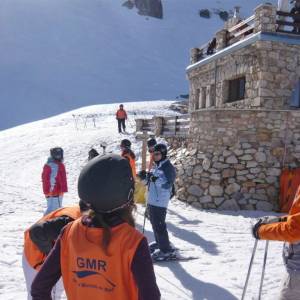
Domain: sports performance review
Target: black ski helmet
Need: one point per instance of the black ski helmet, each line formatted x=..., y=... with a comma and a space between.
x=126, y=143
x=151, y=142
x=106, y=183
x=162, y=148
x=57, y=153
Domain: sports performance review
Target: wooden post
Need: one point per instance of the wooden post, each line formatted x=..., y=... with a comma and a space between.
x=144, y=137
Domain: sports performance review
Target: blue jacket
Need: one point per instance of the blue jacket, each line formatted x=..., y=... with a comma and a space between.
x=159, y=192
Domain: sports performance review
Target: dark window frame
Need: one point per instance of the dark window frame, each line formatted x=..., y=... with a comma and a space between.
x=236, y=89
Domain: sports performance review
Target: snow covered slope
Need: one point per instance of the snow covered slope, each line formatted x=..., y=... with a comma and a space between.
x=222, y=240
x=57, y=55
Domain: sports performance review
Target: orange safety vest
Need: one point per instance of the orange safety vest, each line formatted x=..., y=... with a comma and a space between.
x=132, y=163
x=121, y=114
x=289, y=183
x=88, y=273
x=32, y=253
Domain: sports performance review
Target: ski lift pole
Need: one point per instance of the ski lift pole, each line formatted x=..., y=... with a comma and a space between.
x=249, y=269
x=263, y=270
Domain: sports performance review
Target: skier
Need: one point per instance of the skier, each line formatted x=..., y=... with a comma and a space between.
x=101, y=255
x=127, y=153
x=150, y=145
x=54, y=180
x=286, y=229
x=161, y=180
x=39, y=240
x=121, y=117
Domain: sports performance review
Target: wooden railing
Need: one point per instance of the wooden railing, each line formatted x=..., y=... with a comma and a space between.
x=240, y=30
x=165, y=126
x=282, y=24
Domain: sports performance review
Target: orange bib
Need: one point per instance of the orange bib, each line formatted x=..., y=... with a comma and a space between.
x=88, y=273
x=32, y=253
x=132, y=164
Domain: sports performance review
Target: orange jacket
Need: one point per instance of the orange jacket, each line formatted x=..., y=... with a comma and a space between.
x=128, y=154
x=88, y=272
x=289, y=183
x=121, y=114
x=288, y=231
x=32, y=253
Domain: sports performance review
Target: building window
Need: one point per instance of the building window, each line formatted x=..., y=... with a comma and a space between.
x=203, y=97
x=236, y=89
x=197, y=96
x=212, y=96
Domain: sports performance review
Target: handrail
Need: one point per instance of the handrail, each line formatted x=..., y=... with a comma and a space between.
x=245, y=22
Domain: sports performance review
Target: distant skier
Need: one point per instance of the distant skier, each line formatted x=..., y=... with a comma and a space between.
x=161, y=180
x=39, y=240
x=150, y=145
x=286, y=229
x=127, y=153
x=101, y=256
x=54, y=180
x=121, y=117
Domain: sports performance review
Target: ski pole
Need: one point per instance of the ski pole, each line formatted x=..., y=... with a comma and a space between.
x=144, y=220
x=249, y=270
x=263, y=270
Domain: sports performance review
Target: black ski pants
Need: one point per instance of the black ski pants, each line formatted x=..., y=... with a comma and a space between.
x=158, y=221
x=121, y=123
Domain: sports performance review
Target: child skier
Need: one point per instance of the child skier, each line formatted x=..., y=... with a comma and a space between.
x=127, y=153
x=161, y=180
x=286, y=229
x=54, y=180
x=102, y=255
x=39, y=240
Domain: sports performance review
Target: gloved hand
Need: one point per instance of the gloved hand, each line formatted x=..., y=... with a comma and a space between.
x=142, y=175
x=153, y=178
x=264, y=221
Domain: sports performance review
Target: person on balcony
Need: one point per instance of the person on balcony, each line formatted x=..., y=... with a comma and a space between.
x=296, y=16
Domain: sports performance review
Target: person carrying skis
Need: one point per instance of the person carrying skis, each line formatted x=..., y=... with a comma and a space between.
x=54, y=179
x=121, y=117
x=39, y=240
x=286, y=229
x=127, y=153
x=101, y=255
x=150, y=145
x=161, y=180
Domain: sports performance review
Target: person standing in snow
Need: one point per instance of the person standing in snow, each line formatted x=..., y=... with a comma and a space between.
x=283, y=6
x=150, y=145
x=54, y=180
x=39, y=240
x=101, y=255
x=121, y=117
x=161, y=180
x=286, y=229
x=127, y=153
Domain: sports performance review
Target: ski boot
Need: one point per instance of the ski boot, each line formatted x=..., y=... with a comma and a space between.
x=159, y=255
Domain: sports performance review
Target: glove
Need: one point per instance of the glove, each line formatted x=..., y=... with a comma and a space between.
x=142, y=175
x=153, y=178
x=264, y=221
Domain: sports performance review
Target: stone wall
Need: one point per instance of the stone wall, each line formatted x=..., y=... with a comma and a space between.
x=271, y=69
x=233, y=158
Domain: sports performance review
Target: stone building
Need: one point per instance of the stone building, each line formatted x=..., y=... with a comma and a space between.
x=245, y=117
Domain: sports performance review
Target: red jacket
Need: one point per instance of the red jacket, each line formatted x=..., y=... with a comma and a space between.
x=54, y=178
x=121, y=114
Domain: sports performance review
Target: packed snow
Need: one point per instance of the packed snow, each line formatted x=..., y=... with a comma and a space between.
x=221, y=240
x=58, y=55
